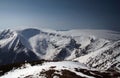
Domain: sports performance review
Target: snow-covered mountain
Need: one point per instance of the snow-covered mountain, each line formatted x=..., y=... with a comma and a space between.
x=104, y=58
x=61, y=69
x=95, y=48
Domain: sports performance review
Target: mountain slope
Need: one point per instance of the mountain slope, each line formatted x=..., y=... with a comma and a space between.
x=63, y=69
x=86, y=46
x=13, y=50
x=104, y=58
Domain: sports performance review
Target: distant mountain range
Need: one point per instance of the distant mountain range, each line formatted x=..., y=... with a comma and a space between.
x=98, y=49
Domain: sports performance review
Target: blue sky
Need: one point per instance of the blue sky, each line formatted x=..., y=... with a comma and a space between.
x=60, y=14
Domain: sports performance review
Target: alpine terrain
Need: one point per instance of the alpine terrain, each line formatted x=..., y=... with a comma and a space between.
x=45, y=53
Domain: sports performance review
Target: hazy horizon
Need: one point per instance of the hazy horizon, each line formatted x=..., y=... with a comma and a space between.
x=60, y=14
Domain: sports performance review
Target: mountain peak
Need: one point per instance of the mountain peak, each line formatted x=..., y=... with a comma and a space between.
x=55, y=45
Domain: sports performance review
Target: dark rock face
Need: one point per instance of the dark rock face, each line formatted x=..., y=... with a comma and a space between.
x=16, y=53
x=66, y=51
x=65, y=74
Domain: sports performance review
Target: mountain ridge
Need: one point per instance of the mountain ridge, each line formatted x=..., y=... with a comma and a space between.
x=36, y=44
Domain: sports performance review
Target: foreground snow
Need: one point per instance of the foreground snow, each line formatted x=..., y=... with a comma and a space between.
x=35, y=70
x=61, y=69
x=95, y=48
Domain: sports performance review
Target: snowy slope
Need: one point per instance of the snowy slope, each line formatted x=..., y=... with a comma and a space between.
x=13, y=47
x=37, y=69
x=63, y=69
x=104, y=58
x=85, y=46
